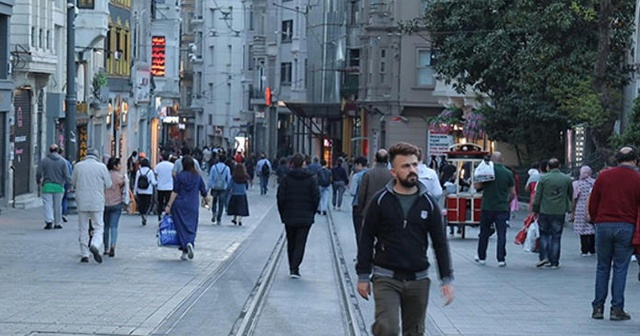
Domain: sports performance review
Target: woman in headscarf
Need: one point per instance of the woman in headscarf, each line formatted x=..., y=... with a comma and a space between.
x=582, y=224
x=184, y=205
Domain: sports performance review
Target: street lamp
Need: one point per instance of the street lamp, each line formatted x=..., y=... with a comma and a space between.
x=71, y=100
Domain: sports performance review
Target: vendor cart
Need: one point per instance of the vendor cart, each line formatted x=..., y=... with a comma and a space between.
x=462, y=201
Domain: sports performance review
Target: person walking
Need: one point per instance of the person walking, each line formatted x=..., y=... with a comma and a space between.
x=184, y=205
x=132, y=166
x=324, y=182
x=582, y=224
x=67, y=185
x=496, y=197
x=393, y=246
x=374, y=180
x=553, y=200
x=177, y=166
x=219, y=179
x=143, y=189
x=613, y=206
x=164, y=176
x=360, y=168
x=251, y=169
x=90, y=178
x=115, y=198
x=238, y=205
x=263, y=168
x=340, y=179
x=51, y=176
x=297, y=198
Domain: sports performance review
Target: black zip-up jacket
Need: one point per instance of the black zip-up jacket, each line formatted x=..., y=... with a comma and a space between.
x=298, y=197
x=401, y=243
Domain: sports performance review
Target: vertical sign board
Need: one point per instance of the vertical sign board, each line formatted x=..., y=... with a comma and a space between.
x=438, y=143
x=158, y=55
x=22, y=140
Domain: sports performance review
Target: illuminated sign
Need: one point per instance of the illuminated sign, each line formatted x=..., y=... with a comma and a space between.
x=158, y=47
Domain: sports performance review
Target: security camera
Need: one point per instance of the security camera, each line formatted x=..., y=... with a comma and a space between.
x=70, y=5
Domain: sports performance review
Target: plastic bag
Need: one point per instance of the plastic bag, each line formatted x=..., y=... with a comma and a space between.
x=531, y=242
x=167, y=234
x=484, y=172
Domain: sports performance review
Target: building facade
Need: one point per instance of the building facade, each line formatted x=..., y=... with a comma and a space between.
x=6, y=92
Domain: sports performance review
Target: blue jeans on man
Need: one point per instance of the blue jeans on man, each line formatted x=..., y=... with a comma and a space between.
x=487, y=219
x=264, y=182
x=218, y=204
x=613, y=249
x=550, y=236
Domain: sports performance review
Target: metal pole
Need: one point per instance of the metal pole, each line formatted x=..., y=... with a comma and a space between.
x=70, y=100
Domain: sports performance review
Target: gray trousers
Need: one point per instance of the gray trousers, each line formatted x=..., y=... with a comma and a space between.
x=400, y=298
x=52, y=204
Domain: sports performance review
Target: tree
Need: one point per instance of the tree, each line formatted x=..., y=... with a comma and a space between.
x=536, y=61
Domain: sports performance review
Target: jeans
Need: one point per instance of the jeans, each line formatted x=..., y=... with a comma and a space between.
x=486, y=219
x=550, y=237
x=296, y=242
x=111, y=220
x=264, y=182
x=52, y=207
x=338, y=190
x=357, y=218
x=397, y=298
x=613, y=246
x=324, y=199
x=218, y=203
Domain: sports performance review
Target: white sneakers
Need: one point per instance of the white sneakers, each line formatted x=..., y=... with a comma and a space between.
x=479, y=261
x=502, y=263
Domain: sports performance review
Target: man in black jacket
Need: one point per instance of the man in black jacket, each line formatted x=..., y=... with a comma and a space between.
x=399, y=219
x=298, y=197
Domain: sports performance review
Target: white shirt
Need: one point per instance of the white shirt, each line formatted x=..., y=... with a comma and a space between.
x=165, y=178
x=146, y=171
x=429, y=178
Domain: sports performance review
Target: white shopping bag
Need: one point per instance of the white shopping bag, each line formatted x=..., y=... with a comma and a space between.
x=484, y=172
x=533, y=233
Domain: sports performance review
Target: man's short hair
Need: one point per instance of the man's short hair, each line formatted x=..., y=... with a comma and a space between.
x=53, y=148
x=626, y=154
x=361, y=160
x=297, y=160
x=554, y=163
x=382, y=156
x=323, y=162
x=402, y=148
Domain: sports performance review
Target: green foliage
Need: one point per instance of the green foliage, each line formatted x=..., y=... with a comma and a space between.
x=534, y=60
x=99, y=81
x=631, y=135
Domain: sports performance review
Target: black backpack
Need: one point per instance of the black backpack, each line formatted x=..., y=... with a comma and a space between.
x=324, y=177
x=143, y=181
x=265, y=169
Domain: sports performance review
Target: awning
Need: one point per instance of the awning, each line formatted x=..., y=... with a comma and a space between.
x=315, y=110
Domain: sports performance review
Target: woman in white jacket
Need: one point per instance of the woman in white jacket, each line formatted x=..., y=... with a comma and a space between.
x=144, y=190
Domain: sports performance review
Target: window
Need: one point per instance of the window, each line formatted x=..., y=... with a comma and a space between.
x=251, y=23
x=285, y=73
x=354, y=13
x=426, y=72
x=383, y=65
x=354, y=57
x=48, y=39
x=211, y=56
x=287, y=31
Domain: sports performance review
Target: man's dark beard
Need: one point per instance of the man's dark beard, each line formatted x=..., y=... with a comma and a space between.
x=409, y=184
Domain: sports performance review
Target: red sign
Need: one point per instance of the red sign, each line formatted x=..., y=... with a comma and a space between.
x=267, y=96
x=158, y=47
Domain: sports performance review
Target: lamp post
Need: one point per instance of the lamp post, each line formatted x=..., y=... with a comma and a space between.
x=71, y=100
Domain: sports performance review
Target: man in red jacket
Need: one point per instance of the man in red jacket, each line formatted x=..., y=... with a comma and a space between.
x=613, y=205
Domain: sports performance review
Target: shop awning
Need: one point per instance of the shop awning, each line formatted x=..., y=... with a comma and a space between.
x=315, y=110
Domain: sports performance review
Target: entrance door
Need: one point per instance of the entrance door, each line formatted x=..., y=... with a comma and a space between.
x=22, y=140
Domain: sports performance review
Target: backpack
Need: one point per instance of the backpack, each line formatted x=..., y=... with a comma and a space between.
x=143, y=181
x=265, y=169
x=218, y=180
x=324, y=177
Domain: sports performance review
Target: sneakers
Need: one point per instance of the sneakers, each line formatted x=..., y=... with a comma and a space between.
x=479, y=261
x=183, y=256
x=542, y=262
x=96, y=254
x=554, y=266
x=294, y=274
x=64, y=219
x=84, y=259
x=190, y=250
x=502, y=263
x=213, y=220
x=48, y=226
x=57, y=226
x=617, y=314
x=144, y=220
x=598, y=313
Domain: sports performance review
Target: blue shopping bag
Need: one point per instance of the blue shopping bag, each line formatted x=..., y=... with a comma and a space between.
x=167, y=234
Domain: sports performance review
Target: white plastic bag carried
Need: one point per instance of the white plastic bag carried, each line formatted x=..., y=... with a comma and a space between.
x=533, y=233
x=484, y=172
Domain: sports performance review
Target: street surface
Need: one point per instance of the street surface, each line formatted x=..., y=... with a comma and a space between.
x=147, y=290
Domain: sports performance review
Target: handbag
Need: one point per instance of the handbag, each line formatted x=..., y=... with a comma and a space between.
x=167, y=233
